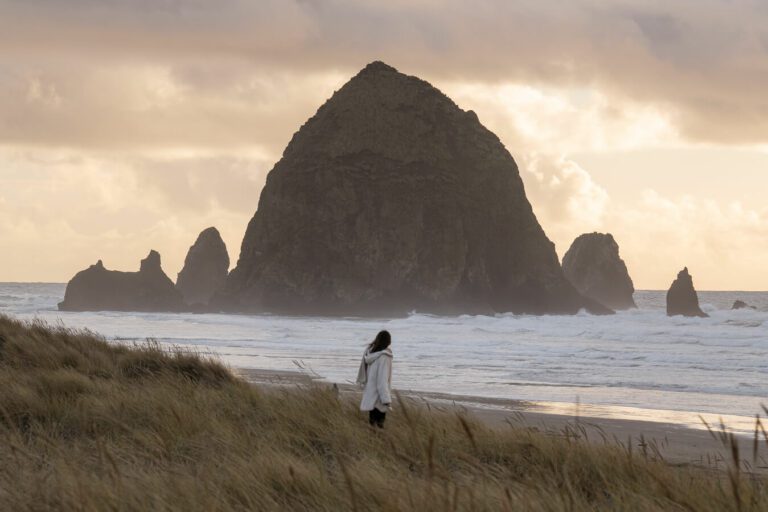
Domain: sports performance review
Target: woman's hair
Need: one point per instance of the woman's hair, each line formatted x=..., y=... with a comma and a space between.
x=382, y=341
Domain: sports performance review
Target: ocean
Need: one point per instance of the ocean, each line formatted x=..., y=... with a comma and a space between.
x=638, y=364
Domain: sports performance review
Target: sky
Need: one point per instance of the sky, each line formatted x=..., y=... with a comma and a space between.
x=130, y=125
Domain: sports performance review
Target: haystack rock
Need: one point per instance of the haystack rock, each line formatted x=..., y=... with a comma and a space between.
x=682, y=298
x=99, y=289
x=392, y=199
x=205, y=269
x=594, y=267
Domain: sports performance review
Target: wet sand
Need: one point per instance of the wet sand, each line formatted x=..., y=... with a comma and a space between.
x=675, y=444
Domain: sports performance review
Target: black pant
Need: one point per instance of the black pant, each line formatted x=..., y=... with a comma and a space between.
x=376, y=417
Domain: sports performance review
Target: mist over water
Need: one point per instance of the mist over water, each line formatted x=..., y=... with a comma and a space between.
x=638, y=359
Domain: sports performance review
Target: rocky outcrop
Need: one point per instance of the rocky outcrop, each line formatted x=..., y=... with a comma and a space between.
x=393, y=199
x=99, y=289
x=594, y=267
x=682, y=298
x=740, y=304
x=205, y=269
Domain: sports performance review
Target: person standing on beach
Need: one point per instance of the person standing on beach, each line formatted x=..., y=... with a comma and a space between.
x=375, y=375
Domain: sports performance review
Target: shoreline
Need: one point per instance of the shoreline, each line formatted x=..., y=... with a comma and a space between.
x=674, y=443
x=640, y=359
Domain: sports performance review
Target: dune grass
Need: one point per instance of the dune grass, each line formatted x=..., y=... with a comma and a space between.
x=86, y=425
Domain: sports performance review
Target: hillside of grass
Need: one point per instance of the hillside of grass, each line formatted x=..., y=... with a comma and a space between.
x=86, y=425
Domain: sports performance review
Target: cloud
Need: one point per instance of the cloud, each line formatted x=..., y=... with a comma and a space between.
x=723, y=244
x=81, y=208
x=702, y=62
x=142, y=107
x=571, y=120
x=199, y=184
x=564, y=192
x=566, y=200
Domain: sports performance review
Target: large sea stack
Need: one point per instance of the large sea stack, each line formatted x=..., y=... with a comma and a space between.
x=205, y=269
x=682, y=298
x=393, y=199
x=594, y=267
x=99, y=289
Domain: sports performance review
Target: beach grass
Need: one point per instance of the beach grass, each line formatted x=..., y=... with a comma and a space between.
x=88, y=425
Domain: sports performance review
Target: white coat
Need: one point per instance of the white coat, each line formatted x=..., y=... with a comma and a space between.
x=375, y=375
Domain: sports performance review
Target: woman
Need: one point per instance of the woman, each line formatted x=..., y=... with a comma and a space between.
x=375, y=375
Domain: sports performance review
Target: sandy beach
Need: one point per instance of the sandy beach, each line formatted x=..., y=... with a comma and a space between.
x=673, y=443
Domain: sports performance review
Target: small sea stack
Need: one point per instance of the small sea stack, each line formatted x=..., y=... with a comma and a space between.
x=594, y=267
x=740, y=304
x=682, y=298
x=205, y=269
x=99, y=289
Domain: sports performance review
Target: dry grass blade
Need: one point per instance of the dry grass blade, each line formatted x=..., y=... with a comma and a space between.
x=709, y=429
x=468, y=431
x=765, y=434
x=350, y=485
x=403, y=406
x=431, y=456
